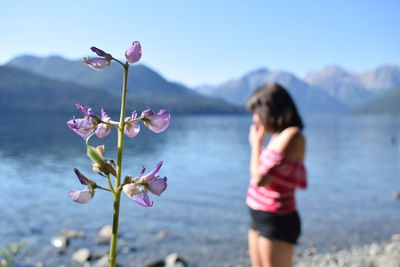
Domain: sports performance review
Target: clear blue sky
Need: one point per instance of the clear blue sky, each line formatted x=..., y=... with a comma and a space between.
x=209, y=41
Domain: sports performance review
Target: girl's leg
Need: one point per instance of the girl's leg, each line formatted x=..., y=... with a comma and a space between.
x=275, y=253
x=253, y=248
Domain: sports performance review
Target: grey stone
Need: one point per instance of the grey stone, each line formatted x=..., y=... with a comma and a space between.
x=60, y=242
x=102, y=262
x=81, y=256
x=105, y=234
x=69, y=234
x=310, y=251
x=159, y=263
x=102, y=240
x=174, y=260
x=106, y=231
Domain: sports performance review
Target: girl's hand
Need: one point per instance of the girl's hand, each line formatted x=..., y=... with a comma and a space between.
x=257, y=134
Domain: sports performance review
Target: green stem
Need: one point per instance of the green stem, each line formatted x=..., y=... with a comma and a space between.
x=110, y=184
x=112, y=261
x=103, y=188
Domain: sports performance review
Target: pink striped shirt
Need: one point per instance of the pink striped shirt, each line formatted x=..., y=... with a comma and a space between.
x=286, y=175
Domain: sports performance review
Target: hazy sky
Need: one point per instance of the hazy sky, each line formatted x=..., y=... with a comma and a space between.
x=196, y=42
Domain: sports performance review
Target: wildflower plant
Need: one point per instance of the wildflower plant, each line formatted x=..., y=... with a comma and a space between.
x=138, y=187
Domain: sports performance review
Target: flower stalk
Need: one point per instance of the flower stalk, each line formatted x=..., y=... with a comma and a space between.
x=91, y=124
x=117, y=194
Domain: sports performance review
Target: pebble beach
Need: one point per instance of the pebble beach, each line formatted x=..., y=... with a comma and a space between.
x=385, y=254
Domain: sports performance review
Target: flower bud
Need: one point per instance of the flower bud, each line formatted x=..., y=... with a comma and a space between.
x=96, y=154
x=134, y=52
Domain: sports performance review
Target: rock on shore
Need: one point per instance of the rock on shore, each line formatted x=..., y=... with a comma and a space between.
x=386, y=254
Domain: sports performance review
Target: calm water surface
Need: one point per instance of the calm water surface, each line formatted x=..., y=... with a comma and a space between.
x=353, y=165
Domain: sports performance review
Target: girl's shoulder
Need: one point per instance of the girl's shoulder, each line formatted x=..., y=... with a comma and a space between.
x=290, y=142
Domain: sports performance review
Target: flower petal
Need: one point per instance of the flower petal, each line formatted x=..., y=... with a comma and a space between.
x=157, y=122
x=132, y=129
x=157, y=186
x=81, y=177
x=97, y=63
x=100, y=52
x=103, y=130
x=134, y=115
x=134, y=52
x=104, y=115
x=142, y=199
x=147, y=113
x=82, y=196
x=82, y=127
x=86, y=111
x=153, y=175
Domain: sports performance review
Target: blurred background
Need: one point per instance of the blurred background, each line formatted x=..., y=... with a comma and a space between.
x=339, y=60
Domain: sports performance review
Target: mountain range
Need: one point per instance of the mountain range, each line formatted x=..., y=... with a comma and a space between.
x=146, y=88
x=330, y=89
x=355, y=89
x=54, y=84
x=307, y=98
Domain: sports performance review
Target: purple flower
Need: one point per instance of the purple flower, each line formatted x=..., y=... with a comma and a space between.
x=85, y=195
x=82, y=196
x=132, y=127
x=100, y=52
x=103, y=129
x=134, y=52
x=137, y=189
x=97, y=63
x=84, y=126
x=156, y=122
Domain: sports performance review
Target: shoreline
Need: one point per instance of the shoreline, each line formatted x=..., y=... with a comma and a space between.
x=383, y=254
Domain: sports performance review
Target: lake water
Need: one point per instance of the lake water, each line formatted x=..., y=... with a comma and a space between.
x=353, y=164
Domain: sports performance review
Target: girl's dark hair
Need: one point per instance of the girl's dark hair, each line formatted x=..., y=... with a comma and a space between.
x=275, y=107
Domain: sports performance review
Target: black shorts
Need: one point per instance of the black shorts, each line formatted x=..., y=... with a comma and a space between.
x=275, y=227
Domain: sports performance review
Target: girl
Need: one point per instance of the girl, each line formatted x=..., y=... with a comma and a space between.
x=276, y=172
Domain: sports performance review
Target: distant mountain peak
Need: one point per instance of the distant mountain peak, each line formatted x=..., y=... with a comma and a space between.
x=334, y=69
x=391, y=67
x=329, y=72
x=258, y=71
